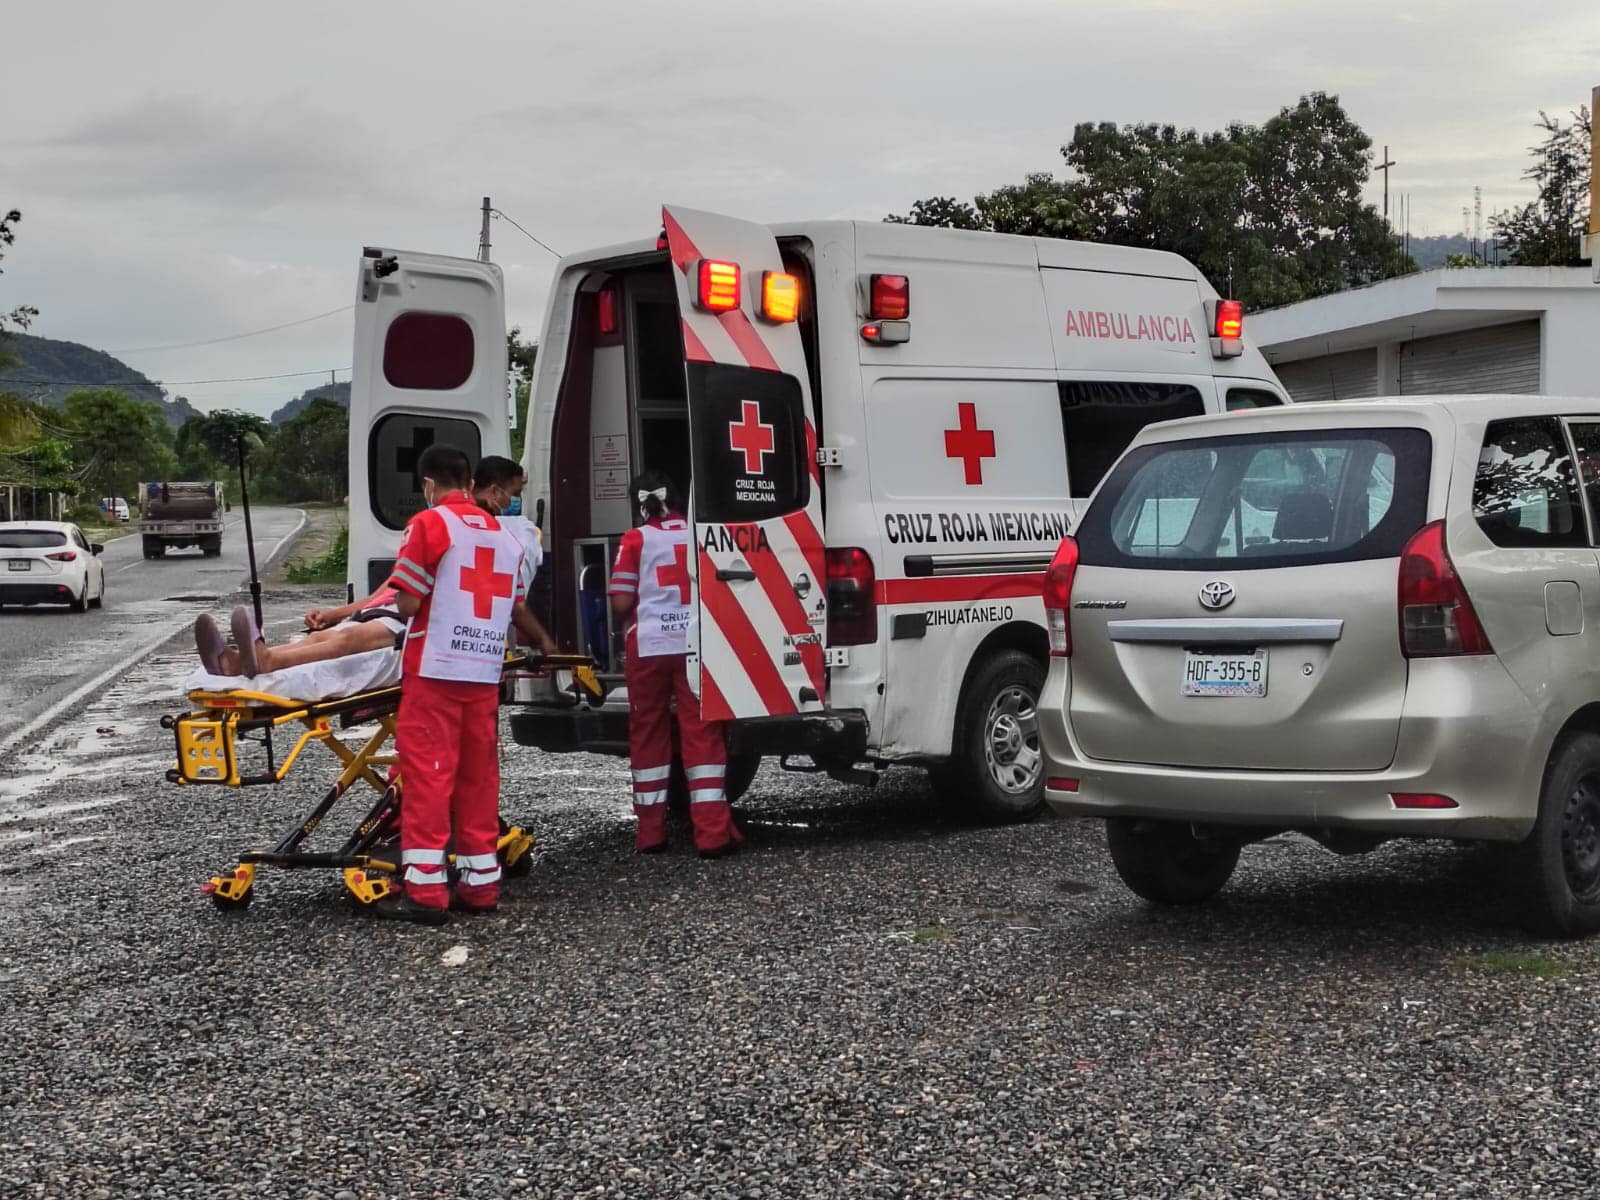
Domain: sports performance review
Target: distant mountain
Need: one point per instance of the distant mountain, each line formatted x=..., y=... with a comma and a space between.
x=339, y=393
x=48, y=371
x=1430, y=252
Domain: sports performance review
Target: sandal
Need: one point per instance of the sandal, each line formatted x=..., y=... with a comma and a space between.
x=245, y=637
x=210, y=644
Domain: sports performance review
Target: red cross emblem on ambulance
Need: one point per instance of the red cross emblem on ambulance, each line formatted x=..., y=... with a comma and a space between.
x=969, y=443
x=750, y=437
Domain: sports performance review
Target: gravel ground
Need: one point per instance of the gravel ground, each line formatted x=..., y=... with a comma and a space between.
x=871, y=1001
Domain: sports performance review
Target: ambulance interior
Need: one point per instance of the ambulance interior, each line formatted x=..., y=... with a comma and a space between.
x=622, y=408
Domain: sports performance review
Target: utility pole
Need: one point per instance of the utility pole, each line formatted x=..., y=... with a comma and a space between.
x=483, y=235
x=1384, y=167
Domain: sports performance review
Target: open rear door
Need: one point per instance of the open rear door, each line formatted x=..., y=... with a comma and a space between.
x=429, y=366
x=759, y=577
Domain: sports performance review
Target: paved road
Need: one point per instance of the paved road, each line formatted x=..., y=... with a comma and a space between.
x=49, y=652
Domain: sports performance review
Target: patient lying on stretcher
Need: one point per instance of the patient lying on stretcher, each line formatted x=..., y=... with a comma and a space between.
x=370, y=624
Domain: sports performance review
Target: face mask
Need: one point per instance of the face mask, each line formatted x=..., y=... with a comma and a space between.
x=514, y=509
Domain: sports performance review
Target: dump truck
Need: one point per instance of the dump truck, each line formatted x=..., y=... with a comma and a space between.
x=174, y=515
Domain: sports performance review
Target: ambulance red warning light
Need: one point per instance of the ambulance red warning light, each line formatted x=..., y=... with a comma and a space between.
x=719, y=286
x=969, y=443
x=751, y=437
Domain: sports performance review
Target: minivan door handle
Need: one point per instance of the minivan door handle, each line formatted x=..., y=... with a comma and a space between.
x=731, y=573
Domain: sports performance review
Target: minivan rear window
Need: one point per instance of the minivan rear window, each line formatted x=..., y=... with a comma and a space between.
x=30, y=539
x=1290, y=498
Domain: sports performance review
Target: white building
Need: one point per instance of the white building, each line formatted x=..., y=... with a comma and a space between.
x=1482, y=329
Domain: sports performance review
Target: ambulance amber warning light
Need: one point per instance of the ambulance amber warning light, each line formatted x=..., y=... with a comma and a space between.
x=719, y=285
x=1230, y=320
x=891, y=298
x=780, y=296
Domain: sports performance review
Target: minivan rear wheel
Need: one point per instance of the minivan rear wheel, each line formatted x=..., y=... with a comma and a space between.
x=996, y=768
x=1165, y=862
x=1558, y=866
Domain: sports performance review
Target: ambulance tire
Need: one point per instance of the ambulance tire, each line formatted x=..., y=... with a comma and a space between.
x=996, y=723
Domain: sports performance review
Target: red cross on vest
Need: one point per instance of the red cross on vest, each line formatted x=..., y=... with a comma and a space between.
x=485, y=583
x=969, y=443
x=750, y=437
x=677, y=575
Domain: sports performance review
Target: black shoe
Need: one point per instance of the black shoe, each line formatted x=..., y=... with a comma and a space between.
x=457, y=904
x=731, y=846
x=659, y=848
x=404, y=908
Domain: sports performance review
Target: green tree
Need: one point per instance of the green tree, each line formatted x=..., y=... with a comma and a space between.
x=307, y=458
x=1270, y=213
x=520, y=357
x=1548, y=230
x=19, y=420
x=44, y=462
x=21, y=315
x=117, y=441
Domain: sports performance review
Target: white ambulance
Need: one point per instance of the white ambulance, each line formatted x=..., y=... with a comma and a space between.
x=883, y=431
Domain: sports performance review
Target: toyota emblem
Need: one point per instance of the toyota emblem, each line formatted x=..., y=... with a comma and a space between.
x=1216, y=594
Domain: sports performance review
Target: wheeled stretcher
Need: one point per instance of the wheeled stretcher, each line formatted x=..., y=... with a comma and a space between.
x=233, y=739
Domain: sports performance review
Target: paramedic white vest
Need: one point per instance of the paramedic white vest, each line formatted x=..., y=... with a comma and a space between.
x=664, y=604
x=474, y=591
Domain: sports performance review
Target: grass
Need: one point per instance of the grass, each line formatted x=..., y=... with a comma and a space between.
x=328, y=567
x=1540, y=966
x=925, y=933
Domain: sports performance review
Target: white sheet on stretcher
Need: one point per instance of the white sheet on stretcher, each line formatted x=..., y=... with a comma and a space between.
x=331, y=679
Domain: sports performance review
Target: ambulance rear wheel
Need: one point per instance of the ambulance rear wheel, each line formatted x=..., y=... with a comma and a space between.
x=996, y=768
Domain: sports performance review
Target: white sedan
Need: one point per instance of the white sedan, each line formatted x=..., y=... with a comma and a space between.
x=49, y=561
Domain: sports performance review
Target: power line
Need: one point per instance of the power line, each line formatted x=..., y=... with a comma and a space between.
x=525, y=233
x=234, y=337
x=134, y=383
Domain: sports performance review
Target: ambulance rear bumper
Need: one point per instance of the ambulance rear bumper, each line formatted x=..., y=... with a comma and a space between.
x=835, y=734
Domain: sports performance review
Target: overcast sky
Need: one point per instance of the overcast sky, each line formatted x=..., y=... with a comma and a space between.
x=192, y=170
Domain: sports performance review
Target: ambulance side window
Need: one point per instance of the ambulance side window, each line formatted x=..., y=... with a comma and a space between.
x=396, y=444
x=1101, y=418
x=749, y=435
x=1242, y=399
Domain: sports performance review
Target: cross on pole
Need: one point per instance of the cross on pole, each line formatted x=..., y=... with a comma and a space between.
x=1384, y=167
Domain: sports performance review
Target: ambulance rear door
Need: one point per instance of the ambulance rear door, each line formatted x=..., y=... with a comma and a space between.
x=429, y=365
x=757, y=585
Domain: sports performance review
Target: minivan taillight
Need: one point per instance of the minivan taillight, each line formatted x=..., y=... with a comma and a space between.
x=1436, y=617
x=1058, y=597
x=852, y=608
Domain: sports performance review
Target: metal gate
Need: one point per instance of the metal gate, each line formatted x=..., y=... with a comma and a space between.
x=1499, y=358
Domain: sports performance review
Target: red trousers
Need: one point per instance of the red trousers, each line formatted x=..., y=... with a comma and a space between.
x=448, y=744
x=653, y=683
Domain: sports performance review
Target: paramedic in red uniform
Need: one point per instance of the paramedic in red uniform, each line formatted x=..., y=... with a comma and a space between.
x=650, y=584
x=457, y=575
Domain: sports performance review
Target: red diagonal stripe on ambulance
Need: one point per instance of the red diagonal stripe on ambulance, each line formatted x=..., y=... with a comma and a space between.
x=775, y=582
x=724, y=609
x=679, y=244
x=713, y=704
x=693, y=348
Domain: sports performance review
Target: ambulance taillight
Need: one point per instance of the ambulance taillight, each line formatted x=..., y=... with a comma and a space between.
x=719, y=286
x=852, y=607
x=1058, y=597
x=1227, y=327
x=889, y=298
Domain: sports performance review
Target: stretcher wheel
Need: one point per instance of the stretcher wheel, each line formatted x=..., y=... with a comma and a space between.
x=232, y=903
x=521, y=866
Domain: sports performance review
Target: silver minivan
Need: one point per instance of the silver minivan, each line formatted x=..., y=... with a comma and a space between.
x=1357, y=620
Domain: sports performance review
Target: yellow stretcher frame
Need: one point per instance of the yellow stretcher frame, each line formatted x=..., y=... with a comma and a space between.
x=210, y=738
